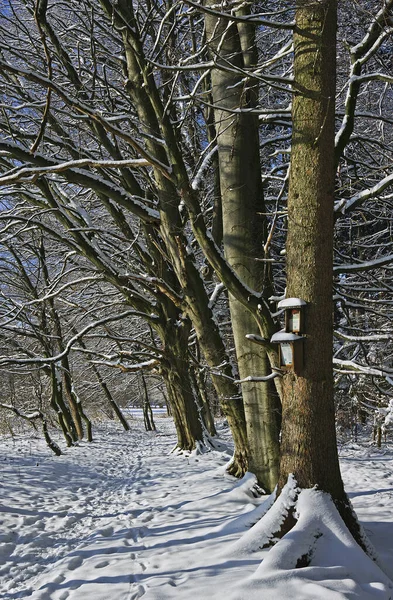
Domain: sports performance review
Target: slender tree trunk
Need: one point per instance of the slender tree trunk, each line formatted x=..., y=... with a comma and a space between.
x=50, y=443
x=147, y=411
x=75, y=409
x=308, y=448
x=61, y=409
x=200, y=386
x=244, y=231
x=76, y=401
x=37, y=415
x=66, y=373
x=112, y=402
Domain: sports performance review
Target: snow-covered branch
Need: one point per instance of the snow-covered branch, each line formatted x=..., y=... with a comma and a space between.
x=72, y=341
x=366, y=265
x=252, y=378
x=342, y=206
x=129, y=367
x=257, y=19
x=350, y=366
x=85, y=179
x=30, y=174
x=360, y=54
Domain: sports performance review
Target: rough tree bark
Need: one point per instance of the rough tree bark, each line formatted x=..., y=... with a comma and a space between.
x=143, y=91
x=308, y=448
x=244, y=230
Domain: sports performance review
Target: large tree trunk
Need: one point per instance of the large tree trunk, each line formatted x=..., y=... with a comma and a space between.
x=309, y=441
x=175, y=370
x=143, y=91
x=244, y=231
x=308, y=448
x=183, y=407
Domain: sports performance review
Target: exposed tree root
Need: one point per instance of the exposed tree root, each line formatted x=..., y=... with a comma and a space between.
x=305, y=559
x=238, y=466
x=198, y=447
x=266, y=531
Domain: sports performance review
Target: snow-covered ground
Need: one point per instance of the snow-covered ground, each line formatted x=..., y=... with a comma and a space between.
x=123, y=518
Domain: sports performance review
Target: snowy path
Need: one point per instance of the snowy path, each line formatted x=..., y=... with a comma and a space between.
x=56, y=507
x=122, y=519
x=81, y=519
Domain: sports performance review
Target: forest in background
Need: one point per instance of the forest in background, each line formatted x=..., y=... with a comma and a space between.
x=145, y=186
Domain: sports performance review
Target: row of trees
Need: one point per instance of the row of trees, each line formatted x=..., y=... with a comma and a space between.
x=145, y=167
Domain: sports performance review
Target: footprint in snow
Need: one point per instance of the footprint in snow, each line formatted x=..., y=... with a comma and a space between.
x=102, y=564
x=29, y=520
x=68, y=521
x=163, y=495
x=141, y=532
x=138, y=593
x=6, y=549
x=74, y=563
x=64, y=508
x=146, y=517
x=106, y=531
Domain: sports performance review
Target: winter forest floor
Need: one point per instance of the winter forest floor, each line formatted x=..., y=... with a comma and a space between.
x=123, y=518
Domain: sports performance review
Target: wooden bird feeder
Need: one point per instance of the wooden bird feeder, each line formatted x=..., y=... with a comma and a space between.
x=294, y=314
x=290, y=350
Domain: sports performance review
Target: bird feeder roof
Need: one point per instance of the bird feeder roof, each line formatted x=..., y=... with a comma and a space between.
x=291, y=303
x=283, y=336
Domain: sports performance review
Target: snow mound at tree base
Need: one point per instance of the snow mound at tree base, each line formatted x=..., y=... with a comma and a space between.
x=337, y=568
